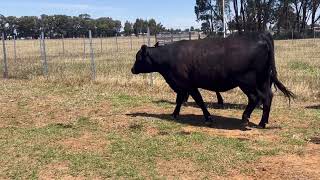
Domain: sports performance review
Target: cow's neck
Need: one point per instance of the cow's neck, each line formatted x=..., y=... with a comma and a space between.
x=161, y=65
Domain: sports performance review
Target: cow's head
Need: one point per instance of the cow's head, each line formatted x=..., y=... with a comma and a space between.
x=143, y=62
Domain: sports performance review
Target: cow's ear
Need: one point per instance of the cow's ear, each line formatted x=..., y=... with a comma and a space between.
x=144, y=49
x=157, y=44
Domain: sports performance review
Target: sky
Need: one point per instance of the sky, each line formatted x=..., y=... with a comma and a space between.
x=171, y=13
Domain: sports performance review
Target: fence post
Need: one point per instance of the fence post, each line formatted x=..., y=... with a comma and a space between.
x=149, y=45
x=171, y=37
x=5, y=63
x=62, y=44
x=131, y=41
x=84, y=48
x=44, y=55
x=15, y=48
x=117, y=41
x=93, y=66
x=143, y=38
x=199, y=35
x=189, y=35
x=101, y=43
x=148, y=37
x=106, y=43
x=40, y=43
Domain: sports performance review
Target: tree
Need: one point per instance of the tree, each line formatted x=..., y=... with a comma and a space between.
x=314, y=8
x=117, y=26
x=160, y=28
x=204, y=10
x=236, y=12
x=128, y=28
x=60, y=25
x=3, y=21
x=28, y=26
x=54, y=26
x=140, y=26
x=210, y=13
x=152, y=24
x=86, y=24
x=284, y=16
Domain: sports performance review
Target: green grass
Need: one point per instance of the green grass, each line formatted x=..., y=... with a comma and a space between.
x=305, y=67
x=121, y=101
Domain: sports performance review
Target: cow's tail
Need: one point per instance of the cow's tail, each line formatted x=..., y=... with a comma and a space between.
x=274, y=74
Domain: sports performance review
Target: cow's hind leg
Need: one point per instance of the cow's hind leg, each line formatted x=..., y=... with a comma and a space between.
x=252, y=102
x=198, y=98
x=181, y=96
x=267, y=101
x=220, y=99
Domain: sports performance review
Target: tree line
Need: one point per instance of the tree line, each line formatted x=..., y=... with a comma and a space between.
x=282, y=16
x=56, y=26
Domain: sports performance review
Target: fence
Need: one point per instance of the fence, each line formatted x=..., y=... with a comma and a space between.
x=167, y=38
x=64, y=58
x=110, y=58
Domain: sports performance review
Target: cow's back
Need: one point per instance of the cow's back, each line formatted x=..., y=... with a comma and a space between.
x=216, y=64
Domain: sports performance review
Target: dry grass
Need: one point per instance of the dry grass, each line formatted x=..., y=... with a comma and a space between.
x=119, y=126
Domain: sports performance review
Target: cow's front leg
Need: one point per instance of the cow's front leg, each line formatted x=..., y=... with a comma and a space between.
x=198, y=98
x=185, y=101
x=181, y=96
x=220, y=99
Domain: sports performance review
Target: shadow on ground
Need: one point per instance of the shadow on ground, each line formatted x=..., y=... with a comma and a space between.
x=313, y=107
x=209, y=104
x=198, y=120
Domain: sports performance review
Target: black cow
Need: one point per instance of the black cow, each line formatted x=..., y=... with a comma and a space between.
x=245, y=61
x=219, y=97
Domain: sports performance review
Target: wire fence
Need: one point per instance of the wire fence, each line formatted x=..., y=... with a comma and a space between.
x=77, y=57
x=111, y=58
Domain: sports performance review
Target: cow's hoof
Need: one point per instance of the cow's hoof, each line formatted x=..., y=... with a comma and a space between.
x=245, y=123
x=220, y=103
x=208, y=121
x=262, y=125
x=174, y=116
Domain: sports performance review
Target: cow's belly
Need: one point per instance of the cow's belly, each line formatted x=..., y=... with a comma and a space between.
x=219, y=84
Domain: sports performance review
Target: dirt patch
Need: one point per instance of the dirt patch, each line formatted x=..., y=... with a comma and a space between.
x=252, y=134
x=57, y=170
x=39, y=111
x=115, y=122
x=87, y=142
x=182, y=169
x=152, y=131
x=290, y=166
x=61, y=114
